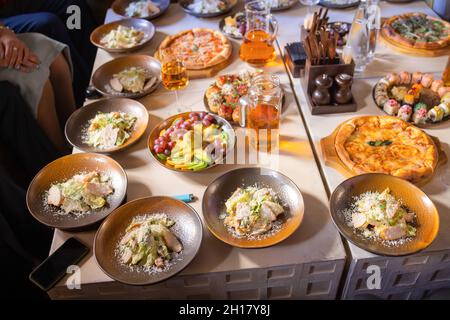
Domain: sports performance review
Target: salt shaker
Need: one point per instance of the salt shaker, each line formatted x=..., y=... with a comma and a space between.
x=343, y=93
x=321, y=95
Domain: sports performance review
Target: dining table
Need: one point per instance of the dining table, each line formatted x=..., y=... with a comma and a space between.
x=315, y=262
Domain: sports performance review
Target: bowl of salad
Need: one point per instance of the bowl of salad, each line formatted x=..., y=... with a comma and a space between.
x=144, y=9
x=123, y=35
x=281, y=5
x=207, y=8
x=107, y=125
x=192, y=141
x=252, y=207
x=148, y=240
x=132, y=76
x=76, y=191
x=384, y=214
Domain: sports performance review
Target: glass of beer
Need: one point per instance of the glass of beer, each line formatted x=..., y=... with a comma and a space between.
x=260, y=111
x=174, y=73
x=258, y=45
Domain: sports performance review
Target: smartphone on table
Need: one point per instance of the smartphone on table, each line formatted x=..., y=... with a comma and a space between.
x=55, y=267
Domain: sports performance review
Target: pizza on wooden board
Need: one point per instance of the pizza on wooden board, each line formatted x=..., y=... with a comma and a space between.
x=199, y=48
x=388, y=145
x=417, y=30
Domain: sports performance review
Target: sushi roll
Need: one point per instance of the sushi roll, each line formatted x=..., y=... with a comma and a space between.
x=436, y=85
x=381, y=99
x=436, y=114
x=380, y=88
x=420, y=105
x=409, y=98
x=446, y=97
x=445, y=107
x=404, y=112
x=416, y=77
x=419, y=116
x=391, y=107
x=444, y=91
x=393, y=79
x=405, y=77
x=427, y=79
x=384, y=81
x=417, y=89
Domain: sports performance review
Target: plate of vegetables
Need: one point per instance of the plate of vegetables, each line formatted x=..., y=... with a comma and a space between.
x=191, y=141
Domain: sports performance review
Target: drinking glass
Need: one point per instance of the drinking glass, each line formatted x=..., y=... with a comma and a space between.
x=174, y=73
x=310, y=4
x=373, y=15
x=260, y=110
x=357, y=47
x=362, y=39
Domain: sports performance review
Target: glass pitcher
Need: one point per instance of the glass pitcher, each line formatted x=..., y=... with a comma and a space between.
x=260, y=111
x=258, y=45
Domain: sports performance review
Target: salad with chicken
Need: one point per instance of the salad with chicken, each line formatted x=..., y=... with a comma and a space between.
x=208, y=6
x=148, y=241
x=382, y=216
x=108, y=130
x=134, y=79
x=122, y=38
x=141, y=8
x=252, y=210
x=81, y=193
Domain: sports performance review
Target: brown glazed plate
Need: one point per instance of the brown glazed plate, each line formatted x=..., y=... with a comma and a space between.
x=103, y=75
x=139, y=24
x=185, y=5
x=79, y=122
x=119, y=7
x=187, y=228
x=284, y=7
x=223, y=187
x=414, y=198
x=65, y=168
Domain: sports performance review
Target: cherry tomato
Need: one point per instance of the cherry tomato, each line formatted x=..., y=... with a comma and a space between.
x=163, y=144
x=171, y=144
x=186, y=126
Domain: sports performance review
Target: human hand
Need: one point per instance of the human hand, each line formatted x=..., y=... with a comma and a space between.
x=15, y=54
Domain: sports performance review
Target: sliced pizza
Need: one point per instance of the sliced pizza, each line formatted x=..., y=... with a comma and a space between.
x=199, y=48
x=417, y=30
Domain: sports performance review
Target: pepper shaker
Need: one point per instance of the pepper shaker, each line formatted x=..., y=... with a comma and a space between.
x=321, y=95
x=343, y=93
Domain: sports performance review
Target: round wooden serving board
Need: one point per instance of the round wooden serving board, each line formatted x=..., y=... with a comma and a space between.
x=331, y=158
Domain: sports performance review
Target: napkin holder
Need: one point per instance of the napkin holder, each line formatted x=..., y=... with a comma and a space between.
x=295, y=58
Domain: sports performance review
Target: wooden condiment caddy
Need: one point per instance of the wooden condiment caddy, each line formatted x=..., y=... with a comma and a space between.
x=320, y=46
